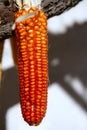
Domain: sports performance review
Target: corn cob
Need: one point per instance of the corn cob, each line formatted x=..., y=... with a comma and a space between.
x=32, y=43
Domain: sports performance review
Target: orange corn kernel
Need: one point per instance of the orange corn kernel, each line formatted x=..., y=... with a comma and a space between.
x=32, y=42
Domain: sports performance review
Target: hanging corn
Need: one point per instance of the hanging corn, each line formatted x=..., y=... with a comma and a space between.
x=32, y=44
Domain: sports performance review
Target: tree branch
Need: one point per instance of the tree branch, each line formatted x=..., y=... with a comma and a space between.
x=6, y=18
x=50, y=7
x=56, y=7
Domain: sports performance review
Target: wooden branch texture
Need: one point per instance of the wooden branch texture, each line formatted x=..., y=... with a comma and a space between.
x=50, y=7
x=56, y=7
x=6, y=18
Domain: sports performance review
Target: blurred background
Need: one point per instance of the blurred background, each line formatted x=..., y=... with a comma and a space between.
x=67, y=90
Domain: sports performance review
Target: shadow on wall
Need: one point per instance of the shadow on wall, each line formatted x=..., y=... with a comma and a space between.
x=9, y=94
x=67, y=55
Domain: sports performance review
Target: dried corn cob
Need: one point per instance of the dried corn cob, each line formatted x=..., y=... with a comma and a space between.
x=32, y=42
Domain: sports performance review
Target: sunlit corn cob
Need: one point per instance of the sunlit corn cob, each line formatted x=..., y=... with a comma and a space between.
x=32, y=42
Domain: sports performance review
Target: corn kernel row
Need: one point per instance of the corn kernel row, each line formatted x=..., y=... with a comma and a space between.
x=32, y=42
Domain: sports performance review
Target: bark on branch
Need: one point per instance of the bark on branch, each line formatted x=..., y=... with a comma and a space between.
x=50, y=7
x=56, y=7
